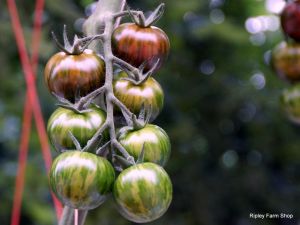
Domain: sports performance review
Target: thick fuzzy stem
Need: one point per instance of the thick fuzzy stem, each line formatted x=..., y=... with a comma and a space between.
x=68, y=216
x=101, y=20
x=108, y=56
x=95, y=24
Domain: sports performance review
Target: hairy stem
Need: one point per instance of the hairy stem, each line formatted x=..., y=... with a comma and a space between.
x=95, y=24
x=68, y=216
x=101, y=19
x=110, y=98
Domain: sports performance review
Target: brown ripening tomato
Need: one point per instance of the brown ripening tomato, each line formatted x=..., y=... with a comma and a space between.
x=136, y=45
x=71, y=76
x=134, y=96
x=290, y=19
x=286, y=61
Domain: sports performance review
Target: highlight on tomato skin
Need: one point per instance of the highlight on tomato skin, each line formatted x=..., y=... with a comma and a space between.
x=136, y=45
x=152, y=138
x=74, y=76
x=82, y=125
x=143, y=192
x=286, y=61
x=81, y=180
x=134, y=97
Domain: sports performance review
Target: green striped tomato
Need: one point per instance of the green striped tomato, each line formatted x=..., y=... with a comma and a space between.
x=135, y=45
x=290, y=102
x=143, y=192
x=82, y=125
x=134, y=96
x=71, y=75
x=81, y=180
x=157, y=146
x=286, y=61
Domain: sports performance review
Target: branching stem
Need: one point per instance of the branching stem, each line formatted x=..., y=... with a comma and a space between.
x=111, y=10
x=126, y=13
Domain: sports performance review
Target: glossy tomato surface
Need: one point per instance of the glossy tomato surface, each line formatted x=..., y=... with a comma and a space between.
x=286, y=61
x=157, y=146
x=134, y=96
x=143, y=192
x=82, y=125
x=135, y=45
x=290, y=103
x=71, y=75
x=81, y=180
x=290, y=19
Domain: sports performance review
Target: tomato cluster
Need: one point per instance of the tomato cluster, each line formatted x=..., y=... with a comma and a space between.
x=82, y=176
x=286, y=59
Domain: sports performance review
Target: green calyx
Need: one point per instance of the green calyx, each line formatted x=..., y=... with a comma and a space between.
x=78, y=45
x=140, y=19
x=139, y=77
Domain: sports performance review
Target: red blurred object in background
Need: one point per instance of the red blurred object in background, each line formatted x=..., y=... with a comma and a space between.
x=290, y=20
x=31, y=105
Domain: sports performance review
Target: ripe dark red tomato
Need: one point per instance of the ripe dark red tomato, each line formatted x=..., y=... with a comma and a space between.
x=290, y=20
x=71, y=75
x=286, y=61
x=135, y=45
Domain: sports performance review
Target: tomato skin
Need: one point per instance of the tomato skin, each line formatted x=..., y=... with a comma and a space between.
x=134, y=96
x=82, y=125
x=290, y=103
x=143, y=192
x=157, y=146
x=286, y=61
x=290, y=20
x=81, y=180
x=135, y=45
x=71, y=75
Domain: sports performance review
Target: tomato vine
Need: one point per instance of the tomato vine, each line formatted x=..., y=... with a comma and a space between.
x=99, y=28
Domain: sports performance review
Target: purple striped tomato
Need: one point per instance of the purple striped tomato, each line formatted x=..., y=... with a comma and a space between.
x=135, y=45
x=74, y=76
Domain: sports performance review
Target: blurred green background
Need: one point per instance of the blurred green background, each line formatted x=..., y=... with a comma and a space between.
x=233, y=150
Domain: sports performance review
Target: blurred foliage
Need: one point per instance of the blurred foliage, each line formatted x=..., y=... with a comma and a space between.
x=233, y=153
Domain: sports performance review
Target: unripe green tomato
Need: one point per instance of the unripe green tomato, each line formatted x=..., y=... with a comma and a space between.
x=81, y=180
x=143, y=192
x=286, y=61
x=290, y=102
x=82, y=125
x=157, y=146
x=134, y=96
